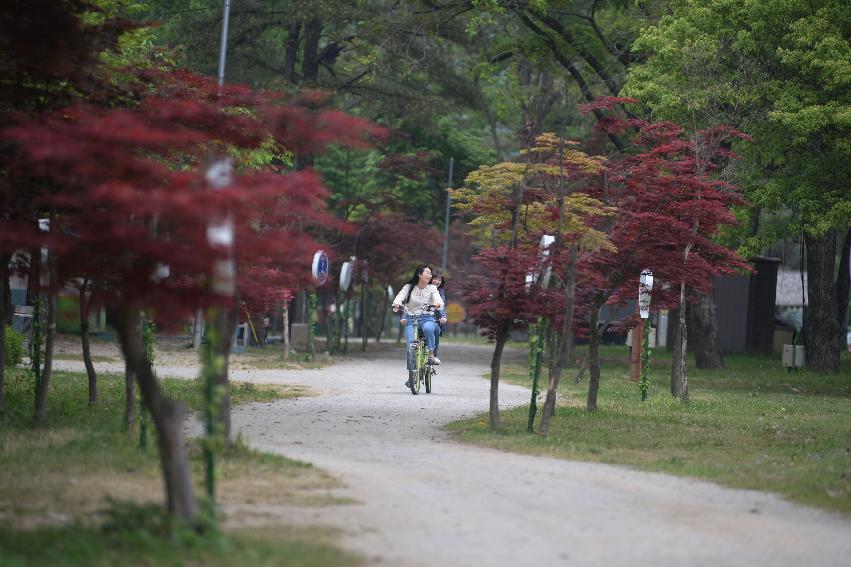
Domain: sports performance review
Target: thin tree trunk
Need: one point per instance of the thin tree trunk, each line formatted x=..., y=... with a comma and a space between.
x=843, y=290
x=7, y=291
x=566, y=343
x=129, y=402
x=286, y=332
x=291, y=51
x=34, y=276
x=329, y=321
x=496, y=360
x=364, y=315
x=84, y=338
x=676, y=355
x=225, y=324
x=198, y=330
x=380, y=329
x=594, y=358
x=50, y=341
x=821, y=322
x=166, y=414
x=683, y=358
x=703, y=332
x=4, y=276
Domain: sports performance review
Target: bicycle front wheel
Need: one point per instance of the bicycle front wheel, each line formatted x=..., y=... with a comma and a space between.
x=428, y=375
x=416, y=381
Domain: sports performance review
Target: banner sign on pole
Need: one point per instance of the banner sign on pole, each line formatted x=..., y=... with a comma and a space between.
x=644, y=288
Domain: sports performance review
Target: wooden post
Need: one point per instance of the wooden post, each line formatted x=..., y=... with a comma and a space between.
x=635, y=351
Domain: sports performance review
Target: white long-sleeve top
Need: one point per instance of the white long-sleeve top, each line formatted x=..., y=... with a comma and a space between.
x=420, y=298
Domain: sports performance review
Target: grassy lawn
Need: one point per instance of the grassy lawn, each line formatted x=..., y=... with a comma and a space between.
x=751, y=425
x=76, y=491
x=477, y=340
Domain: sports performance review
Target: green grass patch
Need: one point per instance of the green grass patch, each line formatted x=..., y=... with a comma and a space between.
x=152, y=545
x=752, y=425
x=478, y=340
x=75, y=490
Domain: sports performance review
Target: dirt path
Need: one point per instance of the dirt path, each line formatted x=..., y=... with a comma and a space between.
x=428, y=501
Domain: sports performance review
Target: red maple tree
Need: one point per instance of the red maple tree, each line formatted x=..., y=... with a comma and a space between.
x=669, y=208
x=127, y=191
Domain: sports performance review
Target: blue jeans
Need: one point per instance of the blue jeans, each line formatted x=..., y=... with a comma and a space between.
x=428, y=326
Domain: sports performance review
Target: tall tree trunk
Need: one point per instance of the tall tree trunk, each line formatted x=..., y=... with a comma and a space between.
x=566, y=343
x=50, y=341
x=502, y=334
x=4, y=275
x=166, y=414
x=677, y=354
x=594, y=357
x=84, y=338
x=366, y=291
x=821, y=323
x=129, y=402
x=679, y=371
x=225, y=323
x=198, y=330
x=285, y=336
x=34, y=276
x=291, y=51
x=310, y=55
x=843, y=290
x=703, y=332
x=380, y=329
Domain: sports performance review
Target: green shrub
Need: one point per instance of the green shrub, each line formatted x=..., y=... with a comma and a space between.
x=14, y=347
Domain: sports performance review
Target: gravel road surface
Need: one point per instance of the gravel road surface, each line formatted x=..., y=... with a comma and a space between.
x=425, y=500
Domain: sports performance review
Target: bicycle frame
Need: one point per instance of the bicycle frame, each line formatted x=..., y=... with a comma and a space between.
x=419, y=371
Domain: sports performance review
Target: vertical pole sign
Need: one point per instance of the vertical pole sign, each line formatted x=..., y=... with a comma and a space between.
x=645, y=286
x=538, y=330
x=220, y=234
x=319, y=271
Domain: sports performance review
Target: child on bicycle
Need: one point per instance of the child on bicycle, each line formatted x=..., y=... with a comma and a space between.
x=417, y=297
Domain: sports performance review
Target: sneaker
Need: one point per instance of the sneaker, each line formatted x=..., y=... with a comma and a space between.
x=409, y=384
x=434, y=360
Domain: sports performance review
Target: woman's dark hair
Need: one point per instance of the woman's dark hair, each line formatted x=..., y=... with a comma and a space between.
x=415, y=279
x=442, y=279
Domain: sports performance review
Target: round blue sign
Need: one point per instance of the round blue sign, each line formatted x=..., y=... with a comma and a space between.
x=320, y=267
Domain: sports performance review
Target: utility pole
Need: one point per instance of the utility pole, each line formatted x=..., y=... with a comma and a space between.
x=446, y=223
x=224, y=44
x=198, y=332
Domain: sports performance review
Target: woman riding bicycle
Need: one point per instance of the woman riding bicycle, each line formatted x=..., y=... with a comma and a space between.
x=418, y=297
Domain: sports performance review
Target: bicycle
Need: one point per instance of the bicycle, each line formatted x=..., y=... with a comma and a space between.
x=419, y=370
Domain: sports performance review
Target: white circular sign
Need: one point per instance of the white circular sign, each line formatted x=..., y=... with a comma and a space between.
x=320, y=267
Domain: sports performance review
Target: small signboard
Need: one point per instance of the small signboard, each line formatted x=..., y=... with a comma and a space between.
x=320, y=267
x=455, y=313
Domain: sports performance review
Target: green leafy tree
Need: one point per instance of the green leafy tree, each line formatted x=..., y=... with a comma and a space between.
x=781, y=72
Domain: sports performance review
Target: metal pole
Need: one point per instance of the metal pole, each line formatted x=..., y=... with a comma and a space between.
x=446, y=222
x=224, y=44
